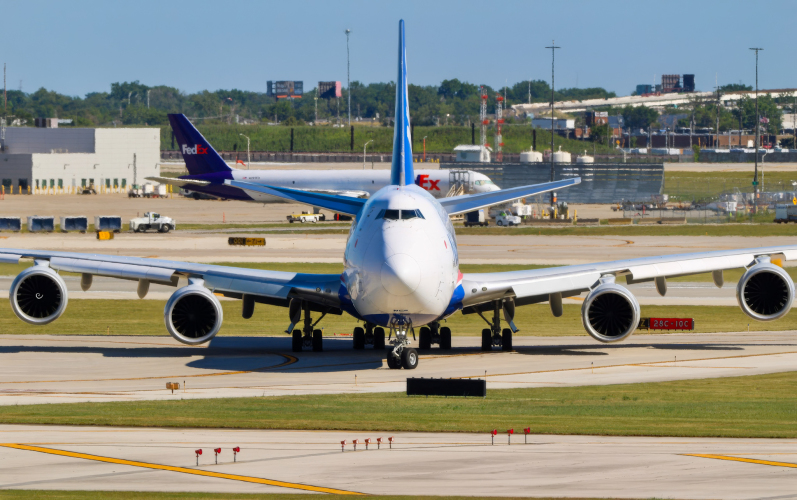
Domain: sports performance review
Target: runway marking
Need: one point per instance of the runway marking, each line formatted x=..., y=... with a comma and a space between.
x=197, y=472
x=624, y=365
x=740, y=459
x=289, y=361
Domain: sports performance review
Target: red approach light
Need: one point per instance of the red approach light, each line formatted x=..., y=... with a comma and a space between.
x=198, y=452
x=236, y=449
x=499, y=98
x=495, y=432
x=217, y=450
x=390, y=439
x=486, y=122
x=527, y=430
x=484, y=97
x=511, y=431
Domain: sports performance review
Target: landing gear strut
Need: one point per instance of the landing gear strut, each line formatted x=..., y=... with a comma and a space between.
x=433, y=334
x=495, y=336
x=401, y=355
x=372, y=335
x=307, y=337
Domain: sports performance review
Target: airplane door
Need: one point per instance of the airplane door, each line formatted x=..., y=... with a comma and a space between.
x=459, y=182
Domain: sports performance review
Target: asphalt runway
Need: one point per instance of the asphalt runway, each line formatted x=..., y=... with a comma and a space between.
x=309, y=247
x=61, y=369
x=86, y=458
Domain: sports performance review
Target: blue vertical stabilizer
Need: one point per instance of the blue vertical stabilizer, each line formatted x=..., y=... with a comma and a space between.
x=200, y=157
x=401, y=172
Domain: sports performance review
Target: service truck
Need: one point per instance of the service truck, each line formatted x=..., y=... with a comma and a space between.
x=475, y=218
x=151, y=220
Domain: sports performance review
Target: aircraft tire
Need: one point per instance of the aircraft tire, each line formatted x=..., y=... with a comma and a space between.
x=296, y=341
x=487, y=340
x=409, y=358
x=425, y=338
x=379, y=338
x=506, y=340
x=445, y=338
x=318, y=341
x=392, y=362
x=359, y=338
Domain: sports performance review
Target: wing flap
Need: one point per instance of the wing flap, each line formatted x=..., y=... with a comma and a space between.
x=177, y=181
x=112, y=269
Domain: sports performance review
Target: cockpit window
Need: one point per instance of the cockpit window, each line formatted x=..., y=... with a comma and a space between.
x=400, y=214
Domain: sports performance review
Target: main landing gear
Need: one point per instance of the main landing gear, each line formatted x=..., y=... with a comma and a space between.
x=433, y=334
x=371, y=335
x=307, y=337
x=495, y=336
x=401, y=355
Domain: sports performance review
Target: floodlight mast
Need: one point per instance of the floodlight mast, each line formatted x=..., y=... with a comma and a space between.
x=553, y=48
x=757, y=132
x=348, y=73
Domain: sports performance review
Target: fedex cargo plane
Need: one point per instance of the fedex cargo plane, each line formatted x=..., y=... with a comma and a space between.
x=207, y=173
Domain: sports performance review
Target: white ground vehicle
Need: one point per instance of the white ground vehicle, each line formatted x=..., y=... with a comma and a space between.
x=151, y=220
x=507, y=219
x=305, y=217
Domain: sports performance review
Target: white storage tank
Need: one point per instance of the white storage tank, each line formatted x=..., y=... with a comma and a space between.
x=561, y=156
x=585, y=158
x=530, y=156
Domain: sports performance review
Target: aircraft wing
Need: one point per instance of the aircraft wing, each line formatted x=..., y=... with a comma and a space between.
x=269, y=287
x=174, y=181
x=341, y=204
x=468, y=202
x=532, y=286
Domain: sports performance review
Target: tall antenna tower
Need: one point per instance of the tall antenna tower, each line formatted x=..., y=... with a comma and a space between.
x=499, y=121
x=483, y=118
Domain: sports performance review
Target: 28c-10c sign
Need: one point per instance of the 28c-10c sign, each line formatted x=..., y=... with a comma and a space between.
x=667, y=323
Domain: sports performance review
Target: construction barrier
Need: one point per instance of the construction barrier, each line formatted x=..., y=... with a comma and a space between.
x=41, y=224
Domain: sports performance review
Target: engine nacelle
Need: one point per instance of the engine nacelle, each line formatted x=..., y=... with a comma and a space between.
x=193, y=315
x=610, y=312
x=765, y=291
x=38, y=295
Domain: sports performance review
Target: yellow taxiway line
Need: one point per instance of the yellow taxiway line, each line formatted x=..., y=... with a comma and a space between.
x=197, y=472
x=740, y=459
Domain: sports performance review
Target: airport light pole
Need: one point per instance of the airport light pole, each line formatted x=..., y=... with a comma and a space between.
x=348, y=73
x=247, y=150
x=757, y=131
x=424, y=148
x=365, y=146
x=553, y=48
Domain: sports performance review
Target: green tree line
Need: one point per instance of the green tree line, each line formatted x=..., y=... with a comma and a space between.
x=133, y=103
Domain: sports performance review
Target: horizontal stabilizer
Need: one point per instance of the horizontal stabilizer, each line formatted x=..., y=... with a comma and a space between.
x=340, y=204
x=175, y=181
x=468, y=202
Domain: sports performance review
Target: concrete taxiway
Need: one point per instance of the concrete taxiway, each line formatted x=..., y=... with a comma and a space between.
x=85, y=458
x=62, y=369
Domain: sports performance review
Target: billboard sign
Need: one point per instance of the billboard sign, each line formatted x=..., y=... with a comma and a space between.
x=329, y=90
x=285, y=88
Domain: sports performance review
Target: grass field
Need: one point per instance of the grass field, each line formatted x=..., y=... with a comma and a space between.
x=145, y=317
x=142, y=495
x=762, y=406
x=687, y=186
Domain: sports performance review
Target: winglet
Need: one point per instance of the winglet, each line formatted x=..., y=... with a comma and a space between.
x=401, y=172
x=200, y=157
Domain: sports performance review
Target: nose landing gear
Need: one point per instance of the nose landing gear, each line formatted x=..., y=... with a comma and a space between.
x=402, y=355
x=495, y=336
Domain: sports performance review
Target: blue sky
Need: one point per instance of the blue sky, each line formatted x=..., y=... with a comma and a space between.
x=76, y=47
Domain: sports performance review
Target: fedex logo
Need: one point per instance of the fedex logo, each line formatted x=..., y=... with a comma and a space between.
x=423, y=180
x=196, y=150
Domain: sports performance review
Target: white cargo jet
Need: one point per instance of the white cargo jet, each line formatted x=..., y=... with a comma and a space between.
x=401, y=273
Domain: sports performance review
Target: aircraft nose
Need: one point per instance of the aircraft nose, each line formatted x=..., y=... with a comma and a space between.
x=400, y=274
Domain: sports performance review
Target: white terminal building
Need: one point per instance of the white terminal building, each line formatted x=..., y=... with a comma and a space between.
x=61, y=160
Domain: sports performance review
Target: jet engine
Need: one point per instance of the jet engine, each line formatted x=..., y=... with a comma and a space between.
x=38, y=295
x=765, y=291
x=610, y=312
x=193, y=315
